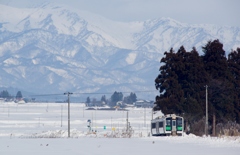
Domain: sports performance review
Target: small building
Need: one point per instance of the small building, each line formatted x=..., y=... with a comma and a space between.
x=2, y=100
x=96, y=104
x=144, y=104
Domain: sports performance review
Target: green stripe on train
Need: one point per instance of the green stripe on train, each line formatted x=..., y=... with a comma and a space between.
x=179, y=128
x=168, y=128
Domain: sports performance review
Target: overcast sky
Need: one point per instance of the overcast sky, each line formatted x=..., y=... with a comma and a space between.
x=218, y=12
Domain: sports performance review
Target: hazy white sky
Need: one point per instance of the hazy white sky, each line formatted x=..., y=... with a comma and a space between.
x=218, y=12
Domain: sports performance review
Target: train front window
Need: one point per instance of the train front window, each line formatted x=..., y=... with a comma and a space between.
x=179, y=124
x=168, y=124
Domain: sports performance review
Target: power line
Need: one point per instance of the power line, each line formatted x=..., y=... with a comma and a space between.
x=93, y=93
x=47, y=95
x=119, y=91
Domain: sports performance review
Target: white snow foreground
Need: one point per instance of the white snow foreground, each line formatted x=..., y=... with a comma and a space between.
x=79, y=134
x=41, y=128
x=57, y=143
x=191, y=138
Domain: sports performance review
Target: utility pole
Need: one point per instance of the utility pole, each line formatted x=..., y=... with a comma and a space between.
x=68, y=93
x=127, y=123
x=206, y=125
x=144, y=116
x=152, y=113
x=61, y=114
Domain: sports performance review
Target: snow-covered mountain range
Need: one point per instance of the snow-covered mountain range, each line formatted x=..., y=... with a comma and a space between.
x=54, y=49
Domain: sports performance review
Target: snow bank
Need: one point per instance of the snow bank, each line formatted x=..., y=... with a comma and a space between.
x=191, y=138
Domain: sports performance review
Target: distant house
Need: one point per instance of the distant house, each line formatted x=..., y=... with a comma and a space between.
x=21, y=102
x=119, y=103
x=2, y=100
x=144, y=104
x=96, y=104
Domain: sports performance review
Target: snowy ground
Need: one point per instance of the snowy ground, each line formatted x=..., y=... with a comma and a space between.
x=41, y=128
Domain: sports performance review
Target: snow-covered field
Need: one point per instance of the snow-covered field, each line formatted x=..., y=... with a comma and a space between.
x=42, y=128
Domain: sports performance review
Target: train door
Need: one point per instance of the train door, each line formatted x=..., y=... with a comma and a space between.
x=174, y=129
x=157, y=128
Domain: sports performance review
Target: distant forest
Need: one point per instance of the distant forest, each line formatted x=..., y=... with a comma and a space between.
x=5, y=95
x=183, y=79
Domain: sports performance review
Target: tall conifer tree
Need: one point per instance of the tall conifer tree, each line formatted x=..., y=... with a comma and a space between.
x=234, y=67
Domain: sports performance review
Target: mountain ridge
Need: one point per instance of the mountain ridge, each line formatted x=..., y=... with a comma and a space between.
x=56, y=48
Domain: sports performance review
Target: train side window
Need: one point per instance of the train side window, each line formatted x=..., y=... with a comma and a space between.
x=153, y=125
x=160, y=124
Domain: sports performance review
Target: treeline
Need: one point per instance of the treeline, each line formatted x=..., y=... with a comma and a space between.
x=115, y=98
x=7, y=96
x=183, y=79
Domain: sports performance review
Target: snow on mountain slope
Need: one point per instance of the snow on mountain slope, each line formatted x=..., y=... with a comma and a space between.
x=63, y=49
x=64, y=21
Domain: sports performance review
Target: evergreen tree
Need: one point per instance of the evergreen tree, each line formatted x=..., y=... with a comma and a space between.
x=116, y=96
x=103, y=99
x=215, y=61
x=220, y=86
x=88, y=100
x=133, y=97
x=19, y=95
x=171, y=93
x=5, y=94
x=193, y=78
x=183, y=76
x=181, y=82
x=130, y=99
x=234, y=67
